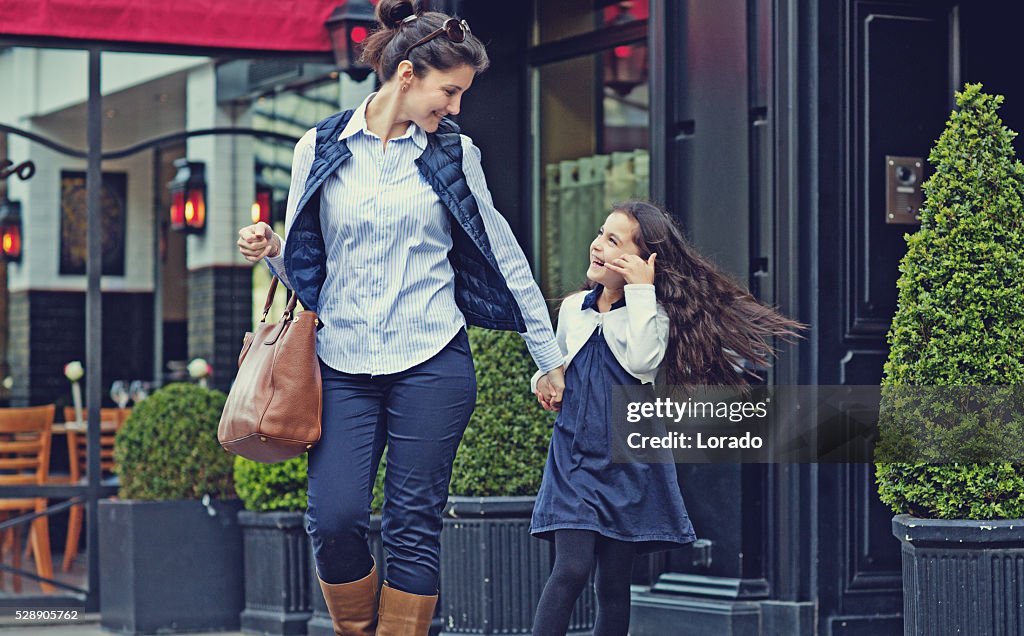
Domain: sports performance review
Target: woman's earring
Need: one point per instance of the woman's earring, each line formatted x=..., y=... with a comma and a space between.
x=405, y=88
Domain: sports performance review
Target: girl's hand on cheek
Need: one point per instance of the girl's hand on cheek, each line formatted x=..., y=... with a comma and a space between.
x=634, y=269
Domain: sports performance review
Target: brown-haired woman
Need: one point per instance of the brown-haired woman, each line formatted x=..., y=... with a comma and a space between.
x=392, y=237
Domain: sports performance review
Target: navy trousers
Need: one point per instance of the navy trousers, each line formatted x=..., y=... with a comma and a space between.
x=420, y=414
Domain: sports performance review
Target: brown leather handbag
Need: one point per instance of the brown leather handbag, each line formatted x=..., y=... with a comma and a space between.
x=273, y=409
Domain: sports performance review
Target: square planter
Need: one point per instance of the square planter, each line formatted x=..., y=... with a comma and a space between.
x=170, y=566
x=962, y=576
x=493, y=571
x=277, y=580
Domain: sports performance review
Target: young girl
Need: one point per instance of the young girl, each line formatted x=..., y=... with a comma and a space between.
x=652, y=304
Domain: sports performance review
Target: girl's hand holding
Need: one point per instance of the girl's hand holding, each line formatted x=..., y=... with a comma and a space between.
x=257, y=241
x=634, y=269
x=550, y=388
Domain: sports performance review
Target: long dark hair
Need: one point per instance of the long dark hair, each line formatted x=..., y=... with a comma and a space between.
x=385, y=48
x=715, y=324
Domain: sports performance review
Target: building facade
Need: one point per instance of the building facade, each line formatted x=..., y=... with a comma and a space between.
x=767, y=127
x=770, y=130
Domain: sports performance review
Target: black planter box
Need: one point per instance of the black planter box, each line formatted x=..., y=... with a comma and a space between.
x=170, y=566
x=962, y=576
x=493, y=571
x=277, y=579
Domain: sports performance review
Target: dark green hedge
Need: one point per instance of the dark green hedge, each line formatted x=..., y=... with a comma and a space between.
x=506, y=442
x=277, y=487
x=282, y=487
x=168, y=448
x=960, y=323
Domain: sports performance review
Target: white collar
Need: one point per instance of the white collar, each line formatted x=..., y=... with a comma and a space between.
x=357, y=123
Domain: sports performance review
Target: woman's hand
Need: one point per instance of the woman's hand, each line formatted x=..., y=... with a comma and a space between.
x=634, y=269
x=549, y=389
x=257, y=241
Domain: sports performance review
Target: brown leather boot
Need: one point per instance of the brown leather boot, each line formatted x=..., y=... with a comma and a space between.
x=404, y=614
x=353, y=606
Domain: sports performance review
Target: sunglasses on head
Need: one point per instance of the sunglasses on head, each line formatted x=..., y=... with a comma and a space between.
x=456, y=30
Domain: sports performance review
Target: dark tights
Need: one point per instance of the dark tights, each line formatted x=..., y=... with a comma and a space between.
x=576, y=553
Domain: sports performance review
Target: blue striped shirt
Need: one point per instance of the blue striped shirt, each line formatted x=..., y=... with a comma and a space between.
x=388, y=302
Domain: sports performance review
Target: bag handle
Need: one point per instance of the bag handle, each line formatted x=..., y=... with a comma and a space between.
x=270, y=299
x=289, y=310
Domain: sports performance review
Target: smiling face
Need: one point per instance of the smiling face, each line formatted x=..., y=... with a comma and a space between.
x=614, y=239
x=436, y=94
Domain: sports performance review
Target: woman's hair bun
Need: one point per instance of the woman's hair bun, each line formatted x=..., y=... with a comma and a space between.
x=390, y=13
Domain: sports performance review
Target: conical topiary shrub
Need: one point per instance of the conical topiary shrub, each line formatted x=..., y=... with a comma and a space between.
x=952, y=411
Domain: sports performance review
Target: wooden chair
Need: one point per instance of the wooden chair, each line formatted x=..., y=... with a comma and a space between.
x=111, y=421
x=25, y=437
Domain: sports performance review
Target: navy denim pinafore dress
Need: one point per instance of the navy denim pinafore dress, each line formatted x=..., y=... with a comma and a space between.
x=582, y=489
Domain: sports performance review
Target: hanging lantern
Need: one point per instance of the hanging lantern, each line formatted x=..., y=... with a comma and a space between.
x=262, y=206
x=10, y=231
x=349, y=25
x=625, y=66
x=188, y=197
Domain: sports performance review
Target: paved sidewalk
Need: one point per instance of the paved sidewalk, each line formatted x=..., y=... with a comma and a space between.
x=87, y=625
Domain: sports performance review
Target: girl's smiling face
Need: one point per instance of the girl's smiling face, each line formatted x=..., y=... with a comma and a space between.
x=614, y=239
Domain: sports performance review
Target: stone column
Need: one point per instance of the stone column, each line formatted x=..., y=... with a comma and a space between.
x=220, y=280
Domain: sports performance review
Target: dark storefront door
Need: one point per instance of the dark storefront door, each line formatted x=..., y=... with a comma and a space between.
x=887, y=73
x=804, y=549
x=889, y=97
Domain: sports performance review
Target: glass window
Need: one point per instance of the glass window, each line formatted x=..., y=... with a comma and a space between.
x=566, y=18
x=593, y=152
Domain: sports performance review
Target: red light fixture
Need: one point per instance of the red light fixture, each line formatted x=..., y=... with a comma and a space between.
x=10, y=231
x=188, y=197
x=349, y=25
x=262, y=207
x=625, y=66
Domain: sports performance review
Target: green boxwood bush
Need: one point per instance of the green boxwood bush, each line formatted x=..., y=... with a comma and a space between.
x=506, y=442
x=282, y=487
x=277, y=487
x=960, y=323
x=168, y=449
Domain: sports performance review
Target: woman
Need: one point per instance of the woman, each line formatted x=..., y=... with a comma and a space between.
x=392, y=238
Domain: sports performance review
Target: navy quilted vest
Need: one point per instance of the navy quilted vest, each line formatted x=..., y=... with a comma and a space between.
x=480, y=289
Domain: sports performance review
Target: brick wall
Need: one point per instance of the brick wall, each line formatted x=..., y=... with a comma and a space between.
x=220, y=312
x=47, y=330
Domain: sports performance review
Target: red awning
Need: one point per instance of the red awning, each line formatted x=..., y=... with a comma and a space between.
x=262, y=25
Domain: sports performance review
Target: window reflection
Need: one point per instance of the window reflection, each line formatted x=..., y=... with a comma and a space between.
x=594, y=143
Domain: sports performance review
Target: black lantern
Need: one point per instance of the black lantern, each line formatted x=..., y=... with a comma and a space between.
x=10, y=231
x=188, y=197
x=349, y=25
x=625, y=66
